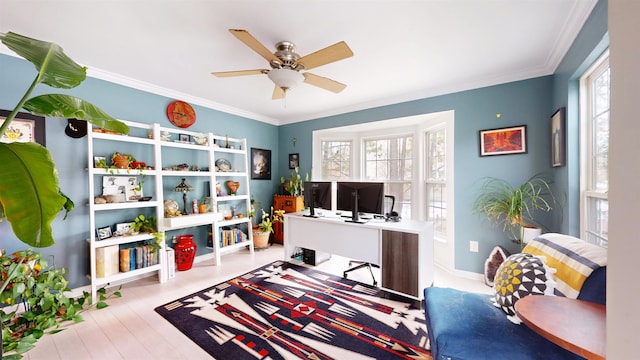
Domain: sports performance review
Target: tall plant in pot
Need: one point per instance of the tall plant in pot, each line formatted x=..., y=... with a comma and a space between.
x=513, y=208
x=263, y=230
x=29, y=181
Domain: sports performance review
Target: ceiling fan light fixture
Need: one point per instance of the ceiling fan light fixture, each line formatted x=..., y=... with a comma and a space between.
x=285, y=78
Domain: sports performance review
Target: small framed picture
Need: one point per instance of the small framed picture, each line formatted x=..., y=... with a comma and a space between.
x=123, y=229
x=504, y=141
x=99, y=162
x=132, y=193
x=103, y=232
x=558, y=138
x=184, y=138
x=294, y=161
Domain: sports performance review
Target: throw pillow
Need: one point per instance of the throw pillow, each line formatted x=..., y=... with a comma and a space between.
x=574, y=260
x=521, y=275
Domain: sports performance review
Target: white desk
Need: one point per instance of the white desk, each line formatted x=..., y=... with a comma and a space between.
x=404, y=250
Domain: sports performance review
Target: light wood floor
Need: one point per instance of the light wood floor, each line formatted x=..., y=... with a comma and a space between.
x=130, y=329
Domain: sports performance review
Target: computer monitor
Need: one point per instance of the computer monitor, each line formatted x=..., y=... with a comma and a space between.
x=317, y=194
x=360, y=197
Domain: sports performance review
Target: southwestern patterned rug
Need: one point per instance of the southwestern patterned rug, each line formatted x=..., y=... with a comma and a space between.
x=286, y=311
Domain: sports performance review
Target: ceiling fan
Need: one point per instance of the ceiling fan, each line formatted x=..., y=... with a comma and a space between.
x=286, y=64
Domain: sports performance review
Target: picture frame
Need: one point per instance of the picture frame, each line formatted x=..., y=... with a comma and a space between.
x=103, y=232
x=558, y=125
x=99, y=161
x=132, y=193
x=123, y=229
x=503, y=141
x=260, y=164
x=24, y=127
x=294, y=160
x=184, y=138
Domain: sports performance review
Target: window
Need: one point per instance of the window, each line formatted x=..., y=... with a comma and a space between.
x=595, y=153
x=436, y=180
x=389, y=159
x=336, y=160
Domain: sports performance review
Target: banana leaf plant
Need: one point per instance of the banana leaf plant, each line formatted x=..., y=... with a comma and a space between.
x=30, y=196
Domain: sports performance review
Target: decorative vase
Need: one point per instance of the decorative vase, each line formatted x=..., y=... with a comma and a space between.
x=260, y=239
x=185, y=252
x=232, y=186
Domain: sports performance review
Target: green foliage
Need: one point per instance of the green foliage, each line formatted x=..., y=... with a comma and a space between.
x=34, y=293
x=29, y=179
x=148, y=224
x=294, y=184
x=514, y=207
x=268, y=219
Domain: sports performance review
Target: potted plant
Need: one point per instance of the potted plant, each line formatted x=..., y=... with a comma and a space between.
x=513, y=208
x=29, y=181
x=263, y=230
x=147, y=224
x=293, y=185
x=122, y=161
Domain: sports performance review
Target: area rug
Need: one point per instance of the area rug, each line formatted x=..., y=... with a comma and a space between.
x=286, y=311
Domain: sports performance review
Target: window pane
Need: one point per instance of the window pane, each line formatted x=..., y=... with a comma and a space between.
x=336, y=160
x=437, y=207
x=598, y=221
x=402, y=194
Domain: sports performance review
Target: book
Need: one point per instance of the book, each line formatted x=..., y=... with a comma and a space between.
x=124, y=260
x=107, y=261
x=171, y=263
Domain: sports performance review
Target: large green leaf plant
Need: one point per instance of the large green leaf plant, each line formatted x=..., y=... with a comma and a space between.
x=30, y=199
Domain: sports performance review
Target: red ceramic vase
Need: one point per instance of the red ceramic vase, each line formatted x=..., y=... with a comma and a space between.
x=185, y=252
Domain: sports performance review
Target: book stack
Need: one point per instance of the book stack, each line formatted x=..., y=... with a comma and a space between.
x=137, y=258
x=232, y=236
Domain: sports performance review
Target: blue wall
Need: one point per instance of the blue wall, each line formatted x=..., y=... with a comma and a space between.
x=523, y=102
x=529, y=102
x=71, y=248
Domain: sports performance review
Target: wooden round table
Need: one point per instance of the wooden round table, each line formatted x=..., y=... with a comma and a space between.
x=576, y=325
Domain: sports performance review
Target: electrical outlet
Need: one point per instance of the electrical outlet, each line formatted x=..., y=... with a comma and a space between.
x=473, y=246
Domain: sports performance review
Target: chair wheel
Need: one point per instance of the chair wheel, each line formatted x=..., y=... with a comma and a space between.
x=344, y=275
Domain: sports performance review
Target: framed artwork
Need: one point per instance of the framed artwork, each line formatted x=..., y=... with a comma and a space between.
x=184, y=138
x=23, y=128
x=260, y=164
x=103, y=232
x=123, y=229
x=503, y=141
x=132, y=193
x=558, y=138
x=294, y=161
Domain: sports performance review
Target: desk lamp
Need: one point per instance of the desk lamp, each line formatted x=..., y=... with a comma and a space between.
x=183, y=187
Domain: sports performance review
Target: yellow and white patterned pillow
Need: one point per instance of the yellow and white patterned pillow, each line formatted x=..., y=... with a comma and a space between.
x=573, y=258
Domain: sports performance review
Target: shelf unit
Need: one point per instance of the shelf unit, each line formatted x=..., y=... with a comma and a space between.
x=237, y=149
x=154, y=141
x=102, y=215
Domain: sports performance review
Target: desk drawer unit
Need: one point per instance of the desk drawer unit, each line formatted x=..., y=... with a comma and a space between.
x=400, y=262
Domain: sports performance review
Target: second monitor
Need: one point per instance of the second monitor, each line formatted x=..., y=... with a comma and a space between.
x=317, y=195
x=360, y=197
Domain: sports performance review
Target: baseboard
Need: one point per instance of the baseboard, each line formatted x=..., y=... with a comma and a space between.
x=463, y=274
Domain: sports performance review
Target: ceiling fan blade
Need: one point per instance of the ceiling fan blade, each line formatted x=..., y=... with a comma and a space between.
x=323, y=82
x=278, y=93
x=255, y=45
x=239, y=73
x=335, y=52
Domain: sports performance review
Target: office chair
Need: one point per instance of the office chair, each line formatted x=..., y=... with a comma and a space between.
x=361, y=264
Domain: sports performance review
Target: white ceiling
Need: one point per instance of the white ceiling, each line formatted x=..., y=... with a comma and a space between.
x=403, y=50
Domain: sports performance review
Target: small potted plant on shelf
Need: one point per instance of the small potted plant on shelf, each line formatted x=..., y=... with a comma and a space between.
x=122, y=161
x=263, y=230
x=513, y=208
x=293, y=186
x=147, y=224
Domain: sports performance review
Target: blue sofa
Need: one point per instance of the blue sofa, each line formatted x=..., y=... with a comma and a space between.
x=465, y=325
